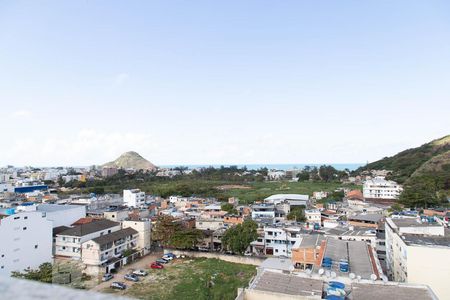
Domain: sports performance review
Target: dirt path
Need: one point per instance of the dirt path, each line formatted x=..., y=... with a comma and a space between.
x=143, y=263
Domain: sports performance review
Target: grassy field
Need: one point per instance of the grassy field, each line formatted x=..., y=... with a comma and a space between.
x=261, y=190
x=256, y=190
x=193, y=279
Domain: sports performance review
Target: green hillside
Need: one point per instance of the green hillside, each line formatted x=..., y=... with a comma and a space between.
x=420, y=159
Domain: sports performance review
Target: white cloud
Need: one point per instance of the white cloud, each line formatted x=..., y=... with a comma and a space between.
x=122, y=78
x=21, y=114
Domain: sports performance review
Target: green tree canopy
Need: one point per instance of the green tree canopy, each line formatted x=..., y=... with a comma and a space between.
x=239, y=237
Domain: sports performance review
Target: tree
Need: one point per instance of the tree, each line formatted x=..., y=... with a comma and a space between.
x=164, y=230
x=420, y=193
x=296, y=214
x=303, y=175
x=229, y=208
x=395, y=207
x=186, y=238
x=239, y=237
x=42, y=274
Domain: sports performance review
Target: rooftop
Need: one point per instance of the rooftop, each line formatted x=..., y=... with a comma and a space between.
x=366, y=217
x=412, y=222
x=421, y=240
x=113, y=236
x=54, y=207
x=361, y=291
x=287, y=197
x=283, y=264
x=89, y=228
x=287, y=284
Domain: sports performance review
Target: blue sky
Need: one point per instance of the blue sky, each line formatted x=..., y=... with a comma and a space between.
x=197, y=82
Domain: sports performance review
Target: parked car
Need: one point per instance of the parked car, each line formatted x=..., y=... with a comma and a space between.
x=107, y=276
x=162, y=261
x=156, y=265
x=140, y=273
x=171, y=255
x=131, y=277
x=168, y=258
x=118, y=285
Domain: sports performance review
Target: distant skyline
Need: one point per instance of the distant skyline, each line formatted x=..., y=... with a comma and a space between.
x=232, y=82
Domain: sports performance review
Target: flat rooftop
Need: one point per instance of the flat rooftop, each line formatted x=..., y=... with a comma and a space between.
x=355, y=252
x=287, y=284
x=412, y=222
x=55, y=207
x=362, y=291
x=283, y=264
x=366, y=218
x=421, y=240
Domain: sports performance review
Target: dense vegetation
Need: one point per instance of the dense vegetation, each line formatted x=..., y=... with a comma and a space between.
x=405, y=163
x=238, y=238
x=170, y=233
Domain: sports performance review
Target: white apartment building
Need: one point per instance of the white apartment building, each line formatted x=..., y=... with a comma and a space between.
x=133, y=198
x=278, y=241
x=313, y=216
x=143, y=228
x=263, y=211
x=379, y=188
x=62, y=215
x=108, y=249
x=25, y=241
x=68, y=242
x=418, y=252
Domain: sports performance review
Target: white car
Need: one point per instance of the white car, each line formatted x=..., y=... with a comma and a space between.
x=140, y=273
x=167, y=257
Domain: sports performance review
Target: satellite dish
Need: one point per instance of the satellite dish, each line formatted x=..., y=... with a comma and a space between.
x=358, y=277
x=321, y=271
x=384, y=278
x=352, y=275
x=308, y=271
x=328, y=273
x=333, y=274
x=373, y=277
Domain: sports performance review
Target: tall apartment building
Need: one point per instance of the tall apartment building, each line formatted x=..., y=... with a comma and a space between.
x=417, y=252
x=25, y=241
x=379, y=188
x=133, y=198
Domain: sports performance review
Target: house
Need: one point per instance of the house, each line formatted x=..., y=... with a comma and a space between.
x=313, y=216
x=308, y=251
x=365, y=220
x=209, y=224
x=231, y=220
x=107, y=250
x=143, y=228
x=68, y=242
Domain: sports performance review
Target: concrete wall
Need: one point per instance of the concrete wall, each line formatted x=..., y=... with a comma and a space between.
x=247, y=260
x=430, y=266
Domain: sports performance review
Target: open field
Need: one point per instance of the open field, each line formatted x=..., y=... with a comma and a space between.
x=192, y=279
x=247, y=192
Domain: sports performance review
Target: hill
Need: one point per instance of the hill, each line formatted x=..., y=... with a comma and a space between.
x=131, y=160
x=415, y=161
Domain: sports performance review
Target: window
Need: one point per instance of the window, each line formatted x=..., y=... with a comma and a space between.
x=16, y=218
x=35, y=246
x=24, y=228
x=109, y=231
x=276, y=250
x=2, y=267
x=25, y=218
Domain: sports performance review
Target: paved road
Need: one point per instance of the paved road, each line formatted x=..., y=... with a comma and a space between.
x=142, y=263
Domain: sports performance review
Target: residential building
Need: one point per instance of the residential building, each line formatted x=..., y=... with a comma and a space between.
x=313, y=216
x=107, y=250
x=379, y=188
x=143, y=228
x=263, y=211
x=109, y=171
x=292, y=199
x=62, y=215
x=133, y=198
x=365, y=220
x=418, y=252
x=68, y=242
x=25, y=241
x=209, y=224
x=278, y=240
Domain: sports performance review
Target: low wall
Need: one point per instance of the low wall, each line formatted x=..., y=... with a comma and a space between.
x=247, y=260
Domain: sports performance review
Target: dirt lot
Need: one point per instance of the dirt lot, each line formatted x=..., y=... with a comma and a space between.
x=142, y=263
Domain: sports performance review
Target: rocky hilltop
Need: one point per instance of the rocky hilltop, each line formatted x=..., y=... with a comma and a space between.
x=131, y=160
